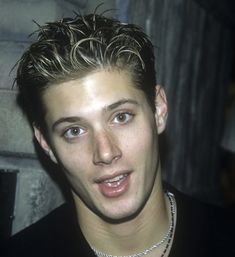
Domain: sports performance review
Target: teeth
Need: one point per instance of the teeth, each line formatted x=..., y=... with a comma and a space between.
x=115, y=179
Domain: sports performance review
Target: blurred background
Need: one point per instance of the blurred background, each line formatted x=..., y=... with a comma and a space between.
x=195, y=62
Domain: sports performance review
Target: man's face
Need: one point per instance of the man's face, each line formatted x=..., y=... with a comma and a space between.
x=103, y=134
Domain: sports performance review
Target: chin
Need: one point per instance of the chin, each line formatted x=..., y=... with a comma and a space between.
x=121, y=213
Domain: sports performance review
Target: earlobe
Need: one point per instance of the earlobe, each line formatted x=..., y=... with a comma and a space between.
x=52, y=156
x=43, y=143
x=161, y=109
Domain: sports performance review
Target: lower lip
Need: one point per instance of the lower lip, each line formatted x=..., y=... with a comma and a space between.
x=112, y=190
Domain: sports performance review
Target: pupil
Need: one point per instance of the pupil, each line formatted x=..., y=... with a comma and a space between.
x=75, y=131
x=121, y=117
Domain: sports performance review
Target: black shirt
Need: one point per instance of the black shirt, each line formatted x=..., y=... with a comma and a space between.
x=201, y=230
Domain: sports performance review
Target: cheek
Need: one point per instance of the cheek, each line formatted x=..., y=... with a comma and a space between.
x=77, y=172
x=141, y=139
x=71, y=159
x=140, y=149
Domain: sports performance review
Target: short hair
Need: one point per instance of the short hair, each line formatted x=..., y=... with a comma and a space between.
x=72, y=47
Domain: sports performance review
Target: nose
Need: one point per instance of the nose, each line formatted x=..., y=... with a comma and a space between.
x=105, y=148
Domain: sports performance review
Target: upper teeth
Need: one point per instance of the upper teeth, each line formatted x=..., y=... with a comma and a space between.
x=115, y=179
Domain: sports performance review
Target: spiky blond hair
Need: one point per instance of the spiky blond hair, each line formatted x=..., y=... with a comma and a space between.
x=73, y=47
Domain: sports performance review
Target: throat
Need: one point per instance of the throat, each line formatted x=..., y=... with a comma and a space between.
x=125, y=244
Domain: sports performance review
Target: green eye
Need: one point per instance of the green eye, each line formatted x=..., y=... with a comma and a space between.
x=123, y=117
x=73, y=132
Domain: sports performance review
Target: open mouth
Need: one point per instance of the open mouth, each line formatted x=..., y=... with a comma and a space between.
x=115, y=186
x=116, y=181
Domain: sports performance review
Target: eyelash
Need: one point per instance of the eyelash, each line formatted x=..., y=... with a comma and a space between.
x=130, y=114
x=128, y=117
x=71, y=130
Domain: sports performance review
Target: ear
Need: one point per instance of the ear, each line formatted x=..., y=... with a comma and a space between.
x=43, y=143
x=161, y=109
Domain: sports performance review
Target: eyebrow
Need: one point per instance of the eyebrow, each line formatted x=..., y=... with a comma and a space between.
x=110, y=107
x=71, y=119
x=120, y=102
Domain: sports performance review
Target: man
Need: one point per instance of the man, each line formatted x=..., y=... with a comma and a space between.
x=89, y=89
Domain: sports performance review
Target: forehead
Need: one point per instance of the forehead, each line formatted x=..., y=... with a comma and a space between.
x=94, y=90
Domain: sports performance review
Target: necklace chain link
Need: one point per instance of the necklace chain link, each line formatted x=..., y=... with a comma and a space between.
x=168, y=235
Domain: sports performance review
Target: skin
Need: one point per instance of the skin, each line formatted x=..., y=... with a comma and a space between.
x=100, y=129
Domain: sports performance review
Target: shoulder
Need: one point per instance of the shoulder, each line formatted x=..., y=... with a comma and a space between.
x=47, y=237
x=202, y=229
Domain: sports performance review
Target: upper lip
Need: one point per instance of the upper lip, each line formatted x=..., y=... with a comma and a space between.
x=111, y=176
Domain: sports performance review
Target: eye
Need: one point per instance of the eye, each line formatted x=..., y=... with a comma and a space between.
x=123, y=117
x=73, y=132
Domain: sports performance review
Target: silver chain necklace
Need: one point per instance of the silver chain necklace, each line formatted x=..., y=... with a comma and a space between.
x=168, y=235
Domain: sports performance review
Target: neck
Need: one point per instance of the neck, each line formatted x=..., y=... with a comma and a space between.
x=139, y=233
